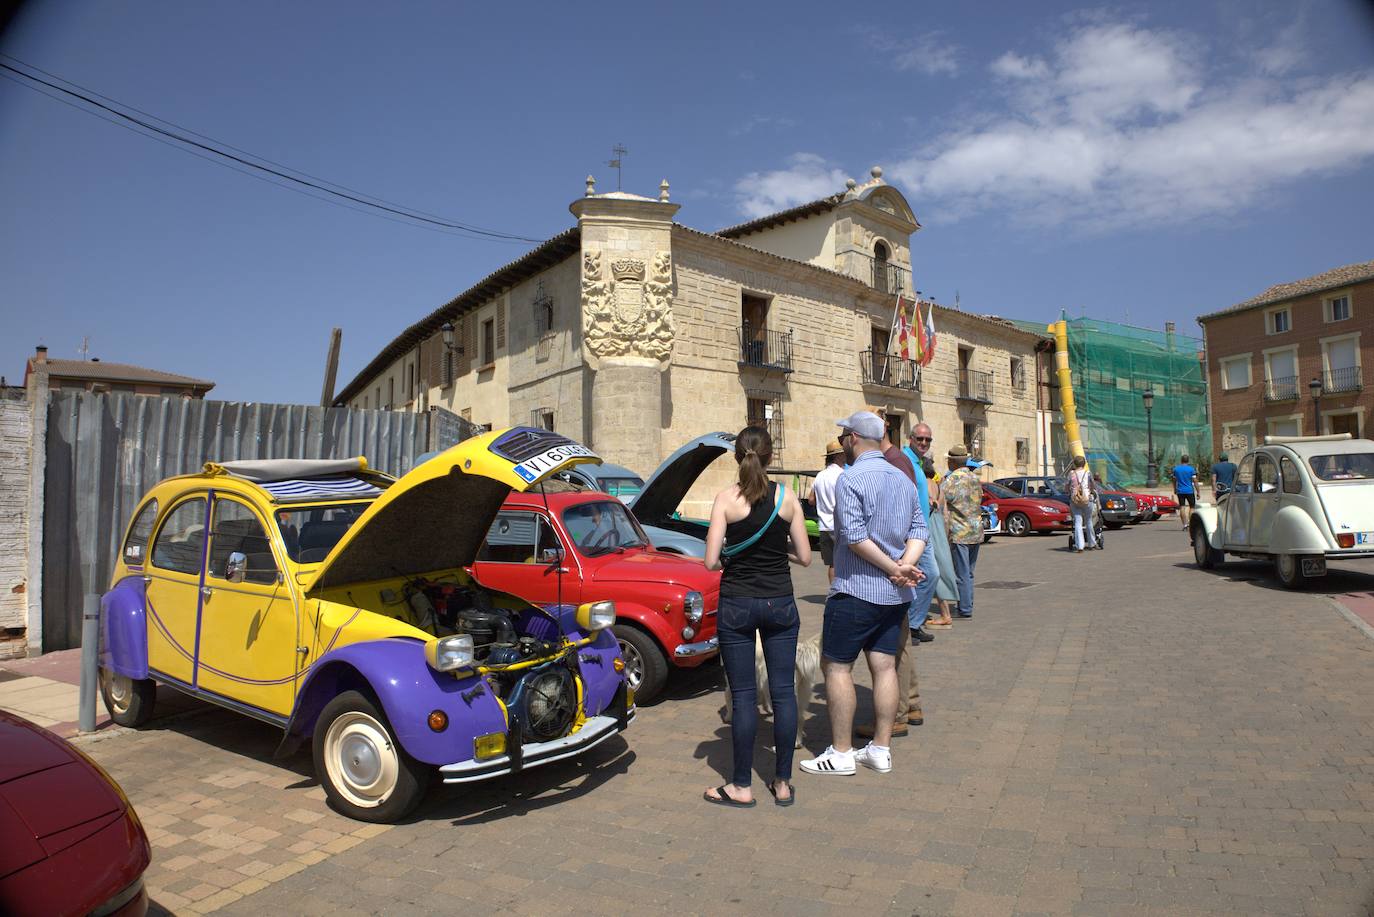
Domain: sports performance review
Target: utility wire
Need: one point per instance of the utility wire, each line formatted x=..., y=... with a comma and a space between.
x=182, y=141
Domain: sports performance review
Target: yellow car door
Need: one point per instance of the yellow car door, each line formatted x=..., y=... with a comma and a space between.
x=249, y=627
x=173, y=589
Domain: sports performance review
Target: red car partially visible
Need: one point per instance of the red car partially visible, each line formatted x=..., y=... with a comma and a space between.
x=1023, y=515
x=70, y=842
x=1157, y=504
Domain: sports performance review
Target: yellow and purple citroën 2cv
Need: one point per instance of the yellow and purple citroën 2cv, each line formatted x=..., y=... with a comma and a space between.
x=332, y=601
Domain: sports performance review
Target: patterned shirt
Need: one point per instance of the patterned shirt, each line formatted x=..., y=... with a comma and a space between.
x=874, y=500
x=964, y=499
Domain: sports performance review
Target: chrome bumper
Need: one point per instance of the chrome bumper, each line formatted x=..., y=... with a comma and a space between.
x=595, y=731
x=704, y=648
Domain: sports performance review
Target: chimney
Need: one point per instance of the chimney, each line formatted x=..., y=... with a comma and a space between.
x=40, y=354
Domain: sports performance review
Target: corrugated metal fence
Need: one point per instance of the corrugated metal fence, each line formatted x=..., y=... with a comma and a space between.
x=105, y=450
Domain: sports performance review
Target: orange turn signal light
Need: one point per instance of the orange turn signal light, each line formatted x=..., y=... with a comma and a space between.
x=1346, y=539
x=438, y=720
x=618, y=664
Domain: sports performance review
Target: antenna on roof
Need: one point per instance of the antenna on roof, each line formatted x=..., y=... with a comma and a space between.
x=956, y=299
x=618, y=151
x=85, y=348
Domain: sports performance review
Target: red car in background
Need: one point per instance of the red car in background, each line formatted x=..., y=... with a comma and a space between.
x=1155, y=505
x=1023, y=515
x=571, y=545
x=70, y=842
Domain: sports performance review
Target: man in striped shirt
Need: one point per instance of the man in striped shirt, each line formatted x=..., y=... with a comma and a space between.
x=880, y=533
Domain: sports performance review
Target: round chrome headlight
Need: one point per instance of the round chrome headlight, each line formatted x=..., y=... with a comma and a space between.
x=695, y=606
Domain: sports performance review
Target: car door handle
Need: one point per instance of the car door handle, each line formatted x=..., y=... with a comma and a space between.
x=206, y=591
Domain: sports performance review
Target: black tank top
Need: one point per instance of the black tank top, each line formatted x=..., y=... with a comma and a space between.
x=760, y=570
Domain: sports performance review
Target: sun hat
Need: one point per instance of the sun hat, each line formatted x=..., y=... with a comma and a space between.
x=834, y=447
x=865, y=423
x=958, y=451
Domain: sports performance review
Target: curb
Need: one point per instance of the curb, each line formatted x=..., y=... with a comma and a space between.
x=1353, y=618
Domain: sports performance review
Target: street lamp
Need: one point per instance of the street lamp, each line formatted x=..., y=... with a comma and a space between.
x=1315, y=387
x=1151, y=470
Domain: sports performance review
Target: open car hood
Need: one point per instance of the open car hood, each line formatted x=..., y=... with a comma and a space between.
x=670, y=481
x=435, y=517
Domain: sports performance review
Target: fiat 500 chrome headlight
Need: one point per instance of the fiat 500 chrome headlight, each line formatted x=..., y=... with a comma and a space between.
x=695, y=606
x=450, y=653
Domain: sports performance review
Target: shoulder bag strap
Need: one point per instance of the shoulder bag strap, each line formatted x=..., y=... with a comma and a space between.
x=734, y=549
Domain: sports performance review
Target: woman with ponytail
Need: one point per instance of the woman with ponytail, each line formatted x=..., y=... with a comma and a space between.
x=757, y=527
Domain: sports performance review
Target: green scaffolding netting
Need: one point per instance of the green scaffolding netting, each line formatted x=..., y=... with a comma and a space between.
x=1111, y=365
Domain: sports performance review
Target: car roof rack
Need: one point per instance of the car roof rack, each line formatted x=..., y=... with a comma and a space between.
x=1326, y=438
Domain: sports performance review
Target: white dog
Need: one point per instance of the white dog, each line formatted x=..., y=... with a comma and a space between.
x=804, y=679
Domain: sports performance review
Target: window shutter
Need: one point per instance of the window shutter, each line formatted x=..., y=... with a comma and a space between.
x=468, y=337
x=500, y=324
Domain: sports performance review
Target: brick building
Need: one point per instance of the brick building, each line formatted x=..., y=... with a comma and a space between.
x=634, y=333
x=96, y=375
x=1295, y=352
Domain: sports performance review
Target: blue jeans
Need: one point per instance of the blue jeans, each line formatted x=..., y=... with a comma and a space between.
x=925, y=590
x=965, y=559
x=776, y=621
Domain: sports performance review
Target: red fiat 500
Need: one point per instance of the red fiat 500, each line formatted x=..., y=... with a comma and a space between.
x=556, y=546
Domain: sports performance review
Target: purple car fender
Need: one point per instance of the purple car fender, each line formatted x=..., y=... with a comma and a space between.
x=395, y=671
x=124, y=629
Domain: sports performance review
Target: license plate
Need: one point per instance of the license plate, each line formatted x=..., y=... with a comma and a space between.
x=1364, y=538
x=537, y=466
x=1314, y=566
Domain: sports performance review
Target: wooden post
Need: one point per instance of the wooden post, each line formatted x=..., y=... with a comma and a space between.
x=331, y=367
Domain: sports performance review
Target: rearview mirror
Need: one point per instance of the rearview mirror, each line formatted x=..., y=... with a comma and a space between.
x=551, y=556
x=236, y=567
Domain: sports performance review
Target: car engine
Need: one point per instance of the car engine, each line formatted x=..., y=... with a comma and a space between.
x=542, y=697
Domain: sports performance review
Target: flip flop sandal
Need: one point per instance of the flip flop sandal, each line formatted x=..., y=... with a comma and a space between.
x=783, y=802
x=725, y=800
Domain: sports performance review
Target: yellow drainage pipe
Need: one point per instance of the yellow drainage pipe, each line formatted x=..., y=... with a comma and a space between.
x=1060, y=330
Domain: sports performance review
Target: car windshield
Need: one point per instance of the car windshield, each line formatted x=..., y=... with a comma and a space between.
x=601, y=527
x=1352, y=466
x=620, y=487
x=310, y=532
x=1000, y=492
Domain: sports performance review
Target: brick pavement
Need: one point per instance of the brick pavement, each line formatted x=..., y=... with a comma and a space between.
x=1128, y=736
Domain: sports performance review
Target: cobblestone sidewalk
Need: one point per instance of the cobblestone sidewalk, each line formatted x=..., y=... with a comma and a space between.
x=1113, y=733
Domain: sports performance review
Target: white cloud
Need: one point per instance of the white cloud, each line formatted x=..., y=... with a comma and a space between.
x=806, y=178
x=1015, y=67
x=1119, y=124
x=927, y=53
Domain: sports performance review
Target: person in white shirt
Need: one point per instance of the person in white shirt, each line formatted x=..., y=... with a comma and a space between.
x=823, y=498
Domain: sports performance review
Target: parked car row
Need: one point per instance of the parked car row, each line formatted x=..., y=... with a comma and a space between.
x=1041, y=504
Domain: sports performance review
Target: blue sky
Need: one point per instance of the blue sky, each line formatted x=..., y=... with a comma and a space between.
x=1143, y=162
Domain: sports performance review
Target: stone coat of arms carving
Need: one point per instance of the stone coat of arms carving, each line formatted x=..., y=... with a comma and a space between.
x=628, y=313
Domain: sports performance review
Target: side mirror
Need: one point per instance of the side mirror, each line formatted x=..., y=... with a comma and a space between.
x=551, y=556
x=236, y=567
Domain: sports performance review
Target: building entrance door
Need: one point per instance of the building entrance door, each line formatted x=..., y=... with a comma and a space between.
x=1344, y=423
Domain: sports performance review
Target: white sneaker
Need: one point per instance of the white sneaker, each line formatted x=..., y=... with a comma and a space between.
x=831, y=763
x=880, y=759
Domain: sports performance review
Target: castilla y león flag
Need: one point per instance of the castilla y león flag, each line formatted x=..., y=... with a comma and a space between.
x=902, y=320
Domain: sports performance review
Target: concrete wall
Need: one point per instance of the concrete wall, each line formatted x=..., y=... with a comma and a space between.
x=14, y=537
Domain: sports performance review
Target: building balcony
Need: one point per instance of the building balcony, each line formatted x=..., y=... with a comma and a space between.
x=1344, y=379
x=1281, y=388
x=975, y=386
x=883, y=276
x=890, y=370
x=765, y=349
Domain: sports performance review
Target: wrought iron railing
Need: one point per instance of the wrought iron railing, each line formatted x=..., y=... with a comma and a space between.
x=765, y=349
x=975, y=385
x=1281, y=388
x=1344, y=379
x=889, y=369
x=883, y=276
x=764, y=409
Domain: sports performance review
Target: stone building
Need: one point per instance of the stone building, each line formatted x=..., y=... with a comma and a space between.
x=1289, y=362
x=95, y=375
x=635, y=333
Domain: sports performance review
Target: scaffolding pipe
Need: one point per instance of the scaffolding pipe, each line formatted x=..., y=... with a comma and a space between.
x=1060, y=330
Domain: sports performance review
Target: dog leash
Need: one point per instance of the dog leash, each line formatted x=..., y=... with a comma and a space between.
x=734, y=549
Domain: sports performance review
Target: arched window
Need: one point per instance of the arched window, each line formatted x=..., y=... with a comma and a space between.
x=880, y=252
